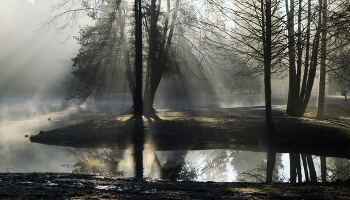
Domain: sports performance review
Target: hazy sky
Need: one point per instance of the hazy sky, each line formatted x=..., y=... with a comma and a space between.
x=29, y=56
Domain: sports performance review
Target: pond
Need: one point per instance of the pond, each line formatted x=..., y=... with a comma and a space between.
x=21, y=117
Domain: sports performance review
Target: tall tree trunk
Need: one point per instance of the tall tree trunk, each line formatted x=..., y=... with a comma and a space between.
x=158, y=62
x=267, y=75
x=270, y=128
x=138, y=133
x=298, y=99
x=307, y=54
x=299, y=60
x=291, y=53
x=152, y=68
x=313, y=64
x=322, y=84
x=138, y=59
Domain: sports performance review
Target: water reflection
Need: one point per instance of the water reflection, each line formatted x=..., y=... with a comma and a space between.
x=203, y=165
x=17, y=154
x=24, y=115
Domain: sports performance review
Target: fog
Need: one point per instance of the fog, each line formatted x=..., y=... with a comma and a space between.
x=29, y=56
x=33, y=69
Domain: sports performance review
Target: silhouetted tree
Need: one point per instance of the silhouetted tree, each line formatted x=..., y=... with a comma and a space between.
x=299, y=50
x=322, y=84
x=258, y=35
x=160, y=41
x=138, y=107
x=163, y=54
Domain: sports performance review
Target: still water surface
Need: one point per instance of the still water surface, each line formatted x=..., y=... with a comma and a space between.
x=21, y=117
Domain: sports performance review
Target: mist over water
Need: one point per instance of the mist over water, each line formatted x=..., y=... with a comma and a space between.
x=33, y=100
x=20, y=116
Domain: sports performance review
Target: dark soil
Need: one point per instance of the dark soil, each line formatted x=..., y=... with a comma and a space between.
x=77, y=186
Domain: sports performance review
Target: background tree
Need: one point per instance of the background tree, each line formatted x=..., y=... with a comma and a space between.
x=258, y=33
x=338, y=42
x=160, y=40
x=163, y=53
x=322, y=84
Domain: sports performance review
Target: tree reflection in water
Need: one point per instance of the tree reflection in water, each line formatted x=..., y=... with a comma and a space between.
x=96, y=161
x=209, y=165
x=338, y=169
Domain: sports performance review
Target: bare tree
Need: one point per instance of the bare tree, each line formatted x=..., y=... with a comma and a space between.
x=300, y=89
x=322, y=84
x=338, y=42
x=258, y=35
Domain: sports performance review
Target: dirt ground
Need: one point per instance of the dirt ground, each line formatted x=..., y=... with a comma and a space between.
x=78, y=186
x=333, y=131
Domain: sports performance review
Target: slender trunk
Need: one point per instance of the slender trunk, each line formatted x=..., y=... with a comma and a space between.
x=297, y=106
x=322, y=84
x=307, y=54
x=158, y=63
x=313, y=66
x=300, y=55
x=267, y=73
x=152, y=68
x=270, y=128
x=291, y=53
x=138, y=59
x=138, y=132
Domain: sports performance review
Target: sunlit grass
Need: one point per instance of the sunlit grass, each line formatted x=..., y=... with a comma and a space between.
x=286, y=191
x=247, y=190
x=309, y=114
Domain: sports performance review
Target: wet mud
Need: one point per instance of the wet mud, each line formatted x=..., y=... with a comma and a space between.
x=78, y=186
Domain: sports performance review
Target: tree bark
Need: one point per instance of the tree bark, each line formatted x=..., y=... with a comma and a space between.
x=138, y=132
x=322, y=84
x=291, y=53
x=158, y=55
x=270, y=128
x=138, y=110
x=298, y=99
